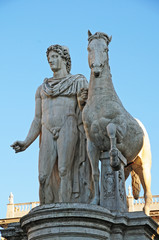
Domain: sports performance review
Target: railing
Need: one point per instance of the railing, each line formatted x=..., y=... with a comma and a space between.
x=25, y=207
x=155, y=199
x=137, y=205
x=141, y=200
x=19, y=209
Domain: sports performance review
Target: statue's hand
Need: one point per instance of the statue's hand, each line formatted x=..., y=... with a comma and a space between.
x=19, y=146
x=83, y=95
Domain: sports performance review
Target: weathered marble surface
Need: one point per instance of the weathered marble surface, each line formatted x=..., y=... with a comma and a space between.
x=108, y=126
x=85, y=221
x=64, y=169
x=112, y=191
x=14, y=232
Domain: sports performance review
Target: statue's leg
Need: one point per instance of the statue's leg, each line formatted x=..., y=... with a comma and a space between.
x=147, y=188
x=94, y=154
x=143, y=169
x=66, y=146
x=47, y=159
x=114, y=160
x=127, y=171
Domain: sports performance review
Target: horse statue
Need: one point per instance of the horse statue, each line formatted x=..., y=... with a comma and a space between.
x=109, y=127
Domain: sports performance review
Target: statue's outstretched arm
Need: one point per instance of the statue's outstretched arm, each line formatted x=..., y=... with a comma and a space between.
x=35, y=128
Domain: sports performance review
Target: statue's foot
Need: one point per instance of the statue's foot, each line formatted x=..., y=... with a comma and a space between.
x=114, y=160
x=95, y=200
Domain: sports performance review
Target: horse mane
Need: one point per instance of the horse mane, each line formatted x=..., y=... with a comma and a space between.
x=99, y=35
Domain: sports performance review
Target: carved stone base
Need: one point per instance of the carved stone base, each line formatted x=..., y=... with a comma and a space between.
x=13, y=232
x=113, y=194
x=84, y=221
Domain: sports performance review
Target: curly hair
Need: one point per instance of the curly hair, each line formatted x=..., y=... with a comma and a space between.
x=63, y=52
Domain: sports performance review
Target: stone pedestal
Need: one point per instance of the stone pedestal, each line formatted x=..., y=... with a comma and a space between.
x=14, y=232
x=84, y=221
x=113, y=194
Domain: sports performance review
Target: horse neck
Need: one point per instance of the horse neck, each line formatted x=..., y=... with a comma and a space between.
x=102, y=85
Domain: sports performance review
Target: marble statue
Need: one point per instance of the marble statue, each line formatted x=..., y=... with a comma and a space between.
x=109, y=127
x=64, y=168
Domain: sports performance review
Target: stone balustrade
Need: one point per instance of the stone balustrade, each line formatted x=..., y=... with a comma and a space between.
x=19, y=209
x=137, y=205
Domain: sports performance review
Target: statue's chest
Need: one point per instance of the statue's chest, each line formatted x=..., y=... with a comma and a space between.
x=101, y=108
x=95, y=127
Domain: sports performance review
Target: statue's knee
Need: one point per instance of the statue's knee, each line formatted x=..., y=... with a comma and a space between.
x=62, y=172
x=42, y=179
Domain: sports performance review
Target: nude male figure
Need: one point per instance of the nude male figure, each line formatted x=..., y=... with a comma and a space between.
x=57, y=102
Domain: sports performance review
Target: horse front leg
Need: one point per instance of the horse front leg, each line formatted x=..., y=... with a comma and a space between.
x=94, y=154
x=114, y=160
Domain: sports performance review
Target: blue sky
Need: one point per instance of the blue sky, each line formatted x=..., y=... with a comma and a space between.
x=28, y=27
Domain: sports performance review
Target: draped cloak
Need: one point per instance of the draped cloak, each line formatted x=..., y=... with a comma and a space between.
x=81, y=170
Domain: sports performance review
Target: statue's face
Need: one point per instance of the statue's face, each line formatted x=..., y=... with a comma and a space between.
x=97, y=55
x=55, y=61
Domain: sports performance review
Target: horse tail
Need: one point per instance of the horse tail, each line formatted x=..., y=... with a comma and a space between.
x=136, y=184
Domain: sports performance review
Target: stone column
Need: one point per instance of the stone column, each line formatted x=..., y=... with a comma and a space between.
x=68, y=221
x=113, y=194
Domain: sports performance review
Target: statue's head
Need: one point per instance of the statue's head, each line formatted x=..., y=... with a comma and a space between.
x=98, y=52
x=63, y=52
x=99, y=35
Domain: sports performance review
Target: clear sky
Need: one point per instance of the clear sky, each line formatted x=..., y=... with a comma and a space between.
x=28, y=27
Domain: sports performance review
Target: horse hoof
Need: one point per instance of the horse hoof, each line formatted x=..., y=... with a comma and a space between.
x=146, y=210
x=114, y=160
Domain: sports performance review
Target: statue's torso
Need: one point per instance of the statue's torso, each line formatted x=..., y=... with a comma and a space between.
x=56, y=110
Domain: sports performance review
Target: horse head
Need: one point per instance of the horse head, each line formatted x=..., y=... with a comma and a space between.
x=98, y=52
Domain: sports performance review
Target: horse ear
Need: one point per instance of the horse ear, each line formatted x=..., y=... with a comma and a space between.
x=89, y=33
x=110, y=38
